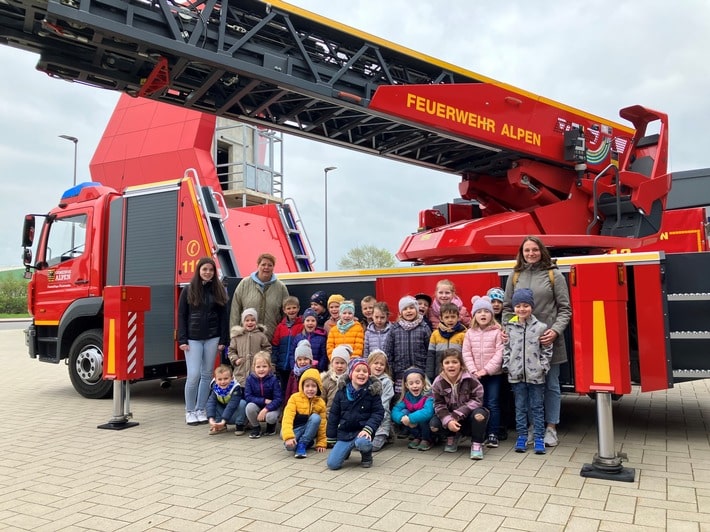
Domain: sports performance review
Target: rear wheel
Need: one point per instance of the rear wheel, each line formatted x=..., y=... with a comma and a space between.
x=86, y=365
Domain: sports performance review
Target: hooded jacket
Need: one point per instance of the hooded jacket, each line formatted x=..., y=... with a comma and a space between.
x=299, y=408
x=525, y=359
x=552, y=304
x=454, y=401
x=348, y=418
x=243, y=346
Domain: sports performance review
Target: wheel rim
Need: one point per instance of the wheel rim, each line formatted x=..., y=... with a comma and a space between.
x=90, y=364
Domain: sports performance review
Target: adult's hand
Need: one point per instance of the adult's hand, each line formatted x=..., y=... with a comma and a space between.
x=548, y=337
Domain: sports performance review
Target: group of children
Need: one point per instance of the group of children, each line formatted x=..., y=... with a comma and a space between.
x=332, y=379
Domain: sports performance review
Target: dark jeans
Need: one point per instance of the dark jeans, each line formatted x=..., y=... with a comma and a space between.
x=470, y=426
x=491, y=400
x=529, y=403
x=419, y=432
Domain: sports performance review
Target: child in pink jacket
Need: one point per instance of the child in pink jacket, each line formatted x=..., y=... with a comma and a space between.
x=483, y=358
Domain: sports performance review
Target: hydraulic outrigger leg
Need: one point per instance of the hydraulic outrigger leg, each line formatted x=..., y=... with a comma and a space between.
x=121, y=407
x=606, y=464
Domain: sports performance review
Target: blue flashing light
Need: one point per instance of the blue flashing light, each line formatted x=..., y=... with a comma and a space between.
x=74, y=191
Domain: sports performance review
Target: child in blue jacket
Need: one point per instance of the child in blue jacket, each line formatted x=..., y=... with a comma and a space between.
x=415, y=409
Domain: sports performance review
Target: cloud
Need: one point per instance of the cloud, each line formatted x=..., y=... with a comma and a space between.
x=598, y=57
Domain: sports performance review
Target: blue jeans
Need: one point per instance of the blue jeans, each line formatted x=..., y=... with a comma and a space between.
x=239, y=417
x=491, y=394
x=306, y=434
x=200, y=365
x=529, y=401
x=418, y=432
x=341, y=450
x=553, y=395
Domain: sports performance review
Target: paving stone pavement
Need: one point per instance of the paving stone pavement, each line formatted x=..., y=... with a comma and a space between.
x=59, y=472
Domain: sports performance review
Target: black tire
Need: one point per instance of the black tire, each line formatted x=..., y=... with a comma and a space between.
x=86, y=358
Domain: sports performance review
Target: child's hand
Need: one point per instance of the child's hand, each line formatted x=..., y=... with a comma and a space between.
x=267, y=401
x=453, y=426
x=291, y=442
x=479, y=417
x=405, y=421
x=481, y=373
x=262, y=415
x=238, y=361
x=364, y=434
x=320, y=449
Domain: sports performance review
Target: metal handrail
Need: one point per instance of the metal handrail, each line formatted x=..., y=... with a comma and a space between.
x=595, y=218
x=299, y=224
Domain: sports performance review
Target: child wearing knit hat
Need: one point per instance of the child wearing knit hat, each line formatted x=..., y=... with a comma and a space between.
x=246, y=340
x=319, y=304
x=334, y=302
x=339, y=361
x=303, y=360
x=449, y=333
x=527, y=362
x=497, y=296
x=483, y=358
x=347, y=330
x=317, y=338
x=408, y=341
x=354, y=416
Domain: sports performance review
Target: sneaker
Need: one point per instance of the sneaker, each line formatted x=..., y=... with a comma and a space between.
x=452, y=444
x=551, y=437
x=366, y=460
x=201, y=416
x=539, y=446
x=414, y=444
x=531, y=437
x=424, y=445
x=255, y=433
x=502, y=434
x=476, y=451
x=521, y=444
x=378, y=442
x=217, y=430
x=270, y=429
x=239, y=430
x=191, y=418
x=300, y=450
x=492, y=441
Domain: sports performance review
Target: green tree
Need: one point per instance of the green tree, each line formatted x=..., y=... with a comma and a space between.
x=366, y=257
x=13, y=296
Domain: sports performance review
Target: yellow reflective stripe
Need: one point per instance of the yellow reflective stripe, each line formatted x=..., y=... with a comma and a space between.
x=600, y=349
x=111, y=350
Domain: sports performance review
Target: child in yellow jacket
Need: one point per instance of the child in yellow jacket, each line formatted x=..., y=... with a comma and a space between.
x=304, y=419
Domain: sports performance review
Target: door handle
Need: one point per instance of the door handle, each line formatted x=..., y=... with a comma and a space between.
x=81, y=281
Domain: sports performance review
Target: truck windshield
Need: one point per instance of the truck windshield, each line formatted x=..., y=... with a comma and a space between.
x=66, y=239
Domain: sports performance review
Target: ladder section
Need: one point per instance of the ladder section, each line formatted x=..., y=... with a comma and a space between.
x=297, y=239
x=222, y=247
x=688, y=288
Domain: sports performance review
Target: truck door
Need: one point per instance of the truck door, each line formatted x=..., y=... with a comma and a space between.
x=64, y=272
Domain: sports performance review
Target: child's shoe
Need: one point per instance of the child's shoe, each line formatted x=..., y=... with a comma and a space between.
x=239, y=430
x=270, y=429
x=378, y=442
x=414, y=444
x=366, y=459
x=424, y=445
x=492, y=441
x=255, y=433
x=452, y=444
x=521, y=444
x=476, y=451
x=539, y=447
x=300, y=450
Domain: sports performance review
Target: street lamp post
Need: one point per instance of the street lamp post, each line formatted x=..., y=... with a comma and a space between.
x=76, y=142
x=325, y=181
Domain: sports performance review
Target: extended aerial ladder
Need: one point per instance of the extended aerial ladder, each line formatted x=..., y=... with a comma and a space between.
x=529, y=164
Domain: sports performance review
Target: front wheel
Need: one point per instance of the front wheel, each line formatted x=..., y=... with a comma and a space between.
x=86, y=365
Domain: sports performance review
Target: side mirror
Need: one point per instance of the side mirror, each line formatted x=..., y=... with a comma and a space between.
x=28, y=231
x=26, y=256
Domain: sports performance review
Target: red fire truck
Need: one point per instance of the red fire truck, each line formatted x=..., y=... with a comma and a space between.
x=528, y=165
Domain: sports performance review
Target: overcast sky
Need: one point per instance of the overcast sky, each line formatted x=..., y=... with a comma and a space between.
x=596, y=56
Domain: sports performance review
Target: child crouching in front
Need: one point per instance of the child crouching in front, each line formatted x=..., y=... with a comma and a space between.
x=304, y=420
x=415, y=409
x=458, y=405
x=354, y=416
x=225, y=404
x=263, y=395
